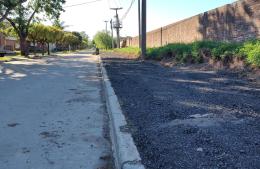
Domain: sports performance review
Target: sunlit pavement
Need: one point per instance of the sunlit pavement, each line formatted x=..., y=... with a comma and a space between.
x=52, y=115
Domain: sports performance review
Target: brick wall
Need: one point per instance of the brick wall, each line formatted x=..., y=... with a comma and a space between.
x=2, y=41
x=10, y=44
x=7, y=43
x=238, y=21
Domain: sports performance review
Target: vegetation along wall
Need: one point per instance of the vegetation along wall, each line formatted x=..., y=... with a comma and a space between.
x=238, y=21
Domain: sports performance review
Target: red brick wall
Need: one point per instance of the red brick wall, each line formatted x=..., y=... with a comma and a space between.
x=234, y=22
x=10, y=45
x=6, y=43
x=2, y=40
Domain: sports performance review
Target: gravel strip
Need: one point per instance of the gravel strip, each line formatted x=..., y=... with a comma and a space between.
x=185, y=118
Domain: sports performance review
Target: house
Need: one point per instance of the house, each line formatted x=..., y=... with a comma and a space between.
x=8, y=43
x=2, y=41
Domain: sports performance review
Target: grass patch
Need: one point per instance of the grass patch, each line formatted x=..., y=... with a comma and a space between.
x=251, y=51
x=5, y=59
x=131, y=51
x=195, y=52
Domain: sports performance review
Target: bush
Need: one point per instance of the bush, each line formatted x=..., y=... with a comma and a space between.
x=196, y=51
x=153, y=53
x=254, y=56
x=177, y=50
x=198, y=45
x=251, y=50
x=225, y=49
x=103, y=40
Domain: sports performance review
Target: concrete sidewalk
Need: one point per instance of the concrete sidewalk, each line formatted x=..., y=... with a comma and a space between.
x=52, y=115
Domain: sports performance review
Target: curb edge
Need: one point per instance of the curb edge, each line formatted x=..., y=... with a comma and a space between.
x=125, y=153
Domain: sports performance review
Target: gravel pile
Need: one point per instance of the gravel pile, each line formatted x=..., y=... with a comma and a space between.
x=185, y=118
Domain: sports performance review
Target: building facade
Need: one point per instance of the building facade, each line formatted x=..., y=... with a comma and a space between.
x=8, y=43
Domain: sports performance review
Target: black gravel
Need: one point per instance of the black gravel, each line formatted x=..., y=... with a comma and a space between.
x=184, y=118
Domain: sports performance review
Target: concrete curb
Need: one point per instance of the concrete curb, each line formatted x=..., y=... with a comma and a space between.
x=125, y=153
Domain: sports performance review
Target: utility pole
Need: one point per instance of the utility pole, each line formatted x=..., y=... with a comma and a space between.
x=106, y=25
x=143, y=50
x=117, y=26
x=139, y=23
x=112, y=33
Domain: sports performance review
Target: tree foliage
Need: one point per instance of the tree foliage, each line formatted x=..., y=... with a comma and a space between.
x=24, y=13
x=103, y=40
x=46, y=35
x=70, y=39
x=7, y=29
x=6, y=7
x=34, y=32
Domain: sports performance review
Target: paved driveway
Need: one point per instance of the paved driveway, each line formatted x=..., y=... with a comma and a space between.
x=52, y=115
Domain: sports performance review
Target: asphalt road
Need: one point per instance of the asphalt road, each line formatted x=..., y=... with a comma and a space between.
x=52, y=115
x=187, y=118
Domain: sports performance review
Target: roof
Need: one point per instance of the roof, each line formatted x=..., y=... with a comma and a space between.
x=11, y=38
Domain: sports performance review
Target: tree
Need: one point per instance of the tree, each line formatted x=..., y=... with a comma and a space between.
x=34, y=34
x=54, y=35
x=59, y=24
x=70, y=40
x=44, y=35
x=103, y=40
x=24, y=13
x=85, y=40
x=7, y=29
x=78, y=43
x=6, y=7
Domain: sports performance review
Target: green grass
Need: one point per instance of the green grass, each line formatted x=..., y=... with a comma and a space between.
x=132, y=51
x=194, y=52
x=5, y=59
x=251, y=51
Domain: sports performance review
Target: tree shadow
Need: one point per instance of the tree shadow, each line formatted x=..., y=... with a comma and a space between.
x=233, y=22
x=52, y=67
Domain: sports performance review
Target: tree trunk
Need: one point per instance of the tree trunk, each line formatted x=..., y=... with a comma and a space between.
x=43, y=50
x=49, y=49
x=34, y=48
x=24, y=47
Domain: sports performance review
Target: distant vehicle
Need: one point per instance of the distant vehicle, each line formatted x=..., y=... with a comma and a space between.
x=96, y=52
x=5, y=52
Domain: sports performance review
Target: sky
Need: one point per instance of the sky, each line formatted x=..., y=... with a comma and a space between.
x=90, y=17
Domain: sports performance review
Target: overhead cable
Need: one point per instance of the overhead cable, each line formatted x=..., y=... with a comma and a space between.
x=84, y=3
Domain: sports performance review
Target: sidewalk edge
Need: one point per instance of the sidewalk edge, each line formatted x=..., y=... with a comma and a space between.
x=126, y=155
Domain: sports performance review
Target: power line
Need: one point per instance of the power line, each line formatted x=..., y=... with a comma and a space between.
x=128, y=10
x=89, y=2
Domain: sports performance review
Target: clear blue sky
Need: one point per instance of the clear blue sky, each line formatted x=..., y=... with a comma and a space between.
x=90, y=18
